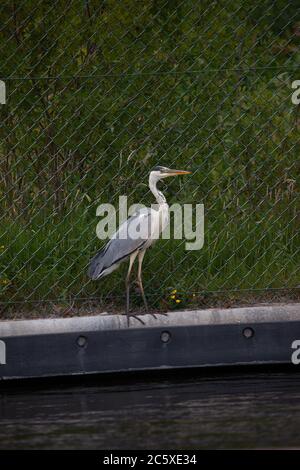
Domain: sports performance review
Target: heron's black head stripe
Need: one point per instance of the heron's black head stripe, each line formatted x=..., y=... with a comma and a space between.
x=159, y=168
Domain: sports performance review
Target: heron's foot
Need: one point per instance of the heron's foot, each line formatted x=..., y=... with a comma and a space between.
x=129, y=315
x=157, y=313
x=154, y=314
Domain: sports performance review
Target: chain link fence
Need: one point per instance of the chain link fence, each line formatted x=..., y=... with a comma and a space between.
x=99, y=92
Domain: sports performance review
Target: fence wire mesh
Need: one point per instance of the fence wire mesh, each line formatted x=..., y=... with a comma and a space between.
x=98, y=92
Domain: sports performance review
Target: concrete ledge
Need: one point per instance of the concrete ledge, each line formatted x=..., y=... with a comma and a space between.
x=183, y=339
x=105, y=321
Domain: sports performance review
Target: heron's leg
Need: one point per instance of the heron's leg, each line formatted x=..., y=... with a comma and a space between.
x=127, y=283
x=139, y=278
x=140, y=283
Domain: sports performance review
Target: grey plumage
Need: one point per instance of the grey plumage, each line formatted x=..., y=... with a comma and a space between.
x=134, y=236
x=121, y=245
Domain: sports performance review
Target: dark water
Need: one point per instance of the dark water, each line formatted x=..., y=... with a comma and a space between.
x=257, y=410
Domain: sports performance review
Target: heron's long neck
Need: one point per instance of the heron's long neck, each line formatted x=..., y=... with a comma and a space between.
x=160, y=198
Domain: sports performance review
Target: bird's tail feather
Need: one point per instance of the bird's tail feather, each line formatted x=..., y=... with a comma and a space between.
x=96, y=265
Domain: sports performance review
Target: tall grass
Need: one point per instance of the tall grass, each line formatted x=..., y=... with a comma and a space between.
x=189, y=84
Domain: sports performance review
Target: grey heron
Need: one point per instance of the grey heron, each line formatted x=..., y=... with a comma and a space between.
x=134, y=236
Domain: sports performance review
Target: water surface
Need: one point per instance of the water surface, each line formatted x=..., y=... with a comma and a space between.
x=253, y=410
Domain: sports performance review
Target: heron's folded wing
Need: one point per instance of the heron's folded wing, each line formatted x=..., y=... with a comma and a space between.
x=131, y=236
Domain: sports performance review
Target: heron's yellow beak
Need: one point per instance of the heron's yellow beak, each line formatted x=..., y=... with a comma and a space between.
x=179, y=172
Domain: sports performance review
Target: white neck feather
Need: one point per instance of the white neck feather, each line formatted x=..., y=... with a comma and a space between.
x=160, y=198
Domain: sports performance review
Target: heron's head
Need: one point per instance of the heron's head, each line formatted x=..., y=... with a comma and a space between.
x=160, y=172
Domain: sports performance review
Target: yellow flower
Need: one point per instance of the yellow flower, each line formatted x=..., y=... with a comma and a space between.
x=2, y=247
x=174, y=291
x=178, y=301
x=172, y=297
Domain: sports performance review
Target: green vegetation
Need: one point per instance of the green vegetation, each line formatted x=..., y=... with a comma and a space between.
x=101, y=91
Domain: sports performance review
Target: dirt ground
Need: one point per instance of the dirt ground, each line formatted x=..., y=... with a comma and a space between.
x=95, y=307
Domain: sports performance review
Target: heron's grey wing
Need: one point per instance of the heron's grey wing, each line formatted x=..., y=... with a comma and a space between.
x=131, y=236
